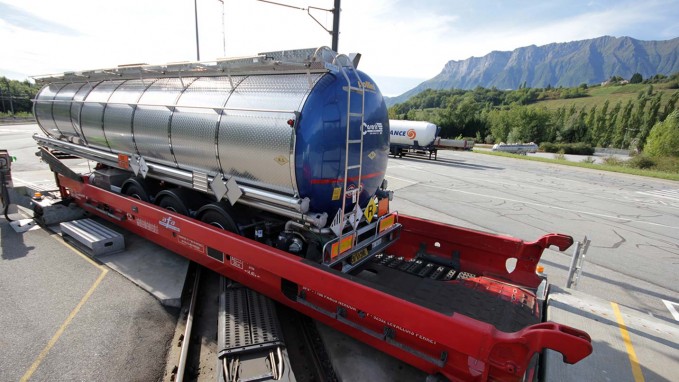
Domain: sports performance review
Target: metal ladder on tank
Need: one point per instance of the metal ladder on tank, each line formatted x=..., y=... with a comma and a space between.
x=352, y=163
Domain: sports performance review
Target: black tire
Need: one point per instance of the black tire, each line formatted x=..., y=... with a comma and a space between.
x=219, y=219
x=173, y=204
x=137, y=192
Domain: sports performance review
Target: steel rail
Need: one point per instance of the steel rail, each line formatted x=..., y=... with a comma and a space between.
x=181, y=368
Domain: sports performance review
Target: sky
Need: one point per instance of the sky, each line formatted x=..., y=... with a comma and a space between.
x=402, y=43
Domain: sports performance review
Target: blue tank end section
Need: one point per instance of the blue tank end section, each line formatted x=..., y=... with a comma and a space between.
x=321, y=139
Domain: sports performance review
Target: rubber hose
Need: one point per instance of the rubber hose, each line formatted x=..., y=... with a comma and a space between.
x=5, y=196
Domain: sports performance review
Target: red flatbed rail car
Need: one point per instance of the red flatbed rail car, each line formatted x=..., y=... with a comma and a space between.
x=441, y=298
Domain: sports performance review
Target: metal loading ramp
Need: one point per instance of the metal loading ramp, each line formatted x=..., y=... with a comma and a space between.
x=94, y=238
x=628, y=345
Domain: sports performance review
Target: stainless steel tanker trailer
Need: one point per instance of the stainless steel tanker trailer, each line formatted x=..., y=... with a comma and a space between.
x=289, y=148
x=288, y=151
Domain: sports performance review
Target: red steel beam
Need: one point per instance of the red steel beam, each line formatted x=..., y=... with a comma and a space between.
x=457, y=347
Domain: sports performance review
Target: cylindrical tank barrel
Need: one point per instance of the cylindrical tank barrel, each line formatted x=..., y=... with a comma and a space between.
x=283, y=133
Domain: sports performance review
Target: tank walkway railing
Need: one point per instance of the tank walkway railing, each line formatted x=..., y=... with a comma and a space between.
x=294, y=61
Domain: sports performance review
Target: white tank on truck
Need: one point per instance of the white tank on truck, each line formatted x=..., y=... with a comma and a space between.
x=412, y=137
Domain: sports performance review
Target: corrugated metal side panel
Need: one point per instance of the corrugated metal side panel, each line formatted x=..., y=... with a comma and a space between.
x=258, y=146
x=152, y=123
x=43, y=110
x=119, y=113
x=92, y=114
x=194, y=129
x=62, y=109
x=76, y=108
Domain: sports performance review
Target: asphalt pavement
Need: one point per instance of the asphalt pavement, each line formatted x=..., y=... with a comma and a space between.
x=632, y=221
x=65, y=317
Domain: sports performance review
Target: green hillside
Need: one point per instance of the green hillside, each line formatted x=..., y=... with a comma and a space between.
x=597, y=95
x=616, y=115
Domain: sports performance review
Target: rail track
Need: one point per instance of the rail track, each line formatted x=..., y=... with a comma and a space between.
x=217, y=313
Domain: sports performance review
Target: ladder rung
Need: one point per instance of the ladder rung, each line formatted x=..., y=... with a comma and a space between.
x=353, y=167
x=356, y=89
x=355, y=114
x=355, y=141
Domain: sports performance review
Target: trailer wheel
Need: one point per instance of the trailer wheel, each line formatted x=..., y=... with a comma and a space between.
x=169, y=202
x=136, y=191
x=219, y=218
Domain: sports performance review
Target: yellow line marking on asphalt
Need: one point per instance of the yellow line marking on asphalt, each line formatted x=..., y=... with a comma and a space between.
x=87, y=258
x=71, y=316
x=636, y=369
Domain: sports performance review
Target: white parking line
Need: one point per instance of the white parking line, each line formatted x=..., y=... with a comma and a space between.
x=403, y=179
x=671, y=306
x=667, y=194
x=14, y=131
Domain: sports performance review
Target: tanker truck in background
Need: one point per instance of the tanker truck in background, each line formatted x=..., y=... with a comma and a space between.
x=516, y=148
x=413, y=137
x=457, y=144
x=270, y=170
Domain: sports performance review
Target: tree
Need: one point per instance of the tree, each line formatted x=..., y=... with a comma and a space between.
x=651, y=118
x=612, y=122
x=664, y=137
x=636, y=78
x=499, y=125
x=599, y=130
x=670, y=106
x=590, y=126
x=624, y=126
x=16, y=96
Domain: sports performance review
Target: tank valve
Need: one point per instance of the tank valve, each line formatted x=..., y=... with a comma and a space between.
x=385, y=194
x=289, y=242
x=296, y=245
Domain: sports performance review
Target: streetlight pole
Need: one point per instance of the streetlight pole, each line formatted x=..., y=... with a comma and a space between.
x=335, y=25
x=195, y=6
x=223, y=28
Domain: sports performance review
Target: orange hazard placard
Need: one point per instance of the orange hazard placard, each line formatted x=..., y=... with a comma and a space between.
x=341, y=246
x=383, y=207
x=123, y=161
x=387, y=222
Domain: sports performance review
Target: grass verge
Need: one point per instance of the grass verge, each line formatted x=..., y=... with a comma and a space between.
x=602, y=167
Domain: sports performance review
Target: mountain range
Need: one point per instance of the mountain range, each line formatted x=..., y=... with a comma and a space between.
x=558, y=64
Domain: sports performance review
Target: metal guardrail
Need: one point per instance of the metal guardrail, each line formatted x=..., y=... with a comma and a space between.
x=610, y=151
x=16, y=120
